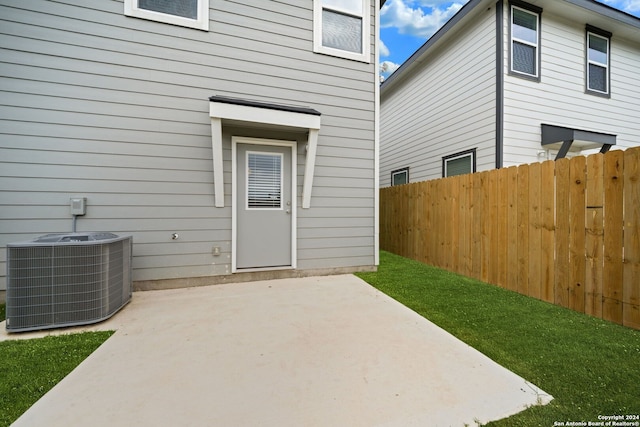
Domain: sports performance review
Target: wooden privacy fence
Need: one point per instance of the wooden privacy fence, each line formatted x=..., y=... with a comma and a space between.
x=564, y=231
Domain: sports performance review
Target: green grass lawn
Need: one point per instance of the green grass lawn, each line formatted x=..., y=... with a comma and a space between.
x=590, y=366
x=30, y=368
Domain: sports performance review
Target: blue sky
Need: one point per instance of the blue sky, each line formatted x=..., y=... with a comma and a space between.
x=407, y=24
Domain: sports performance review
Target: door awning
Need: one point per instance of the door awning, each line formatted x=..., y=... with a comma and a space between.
x=565, y=139
x=246, y=112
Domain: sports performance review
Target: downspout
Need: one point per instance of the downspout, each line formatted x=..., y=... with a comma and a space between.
x=376, y=141
x=499, y=83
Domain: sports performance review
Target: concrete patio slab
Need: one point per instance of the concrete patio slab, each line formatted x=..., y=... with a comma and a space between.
x=319, y=351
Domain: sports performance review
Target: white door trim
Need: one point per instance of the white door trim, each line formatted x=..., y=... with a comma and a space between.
x=235, y=140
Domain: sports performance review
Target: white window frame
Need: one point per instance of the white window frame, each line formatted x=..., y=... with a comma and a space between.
x=468, y=153
x=395, y=173
x=202, y=23
x=528, y=43
x=318, y=47
x=599, y=64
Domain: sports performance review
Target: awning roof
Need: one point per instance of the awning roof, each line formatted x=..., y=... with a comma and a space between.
x=265, y=105
x=566, y=139
x=245, y=112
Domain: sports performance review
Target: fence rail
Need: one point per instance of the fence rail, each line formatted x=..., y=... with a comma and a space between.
x=565, y=231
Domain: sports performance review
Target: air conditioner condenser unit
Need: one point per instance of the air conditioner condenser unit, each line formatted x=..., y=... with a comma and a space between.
x=61, y=280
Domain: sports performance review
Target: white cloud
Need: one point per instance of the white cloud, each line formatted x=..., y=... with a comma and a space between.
x=629, y=6
x=410, y=19
x=388, y=67
x=383, y=49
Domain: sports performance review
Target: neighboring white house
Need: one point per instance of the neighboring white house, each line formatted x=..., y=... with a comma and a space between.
x=233, y=139
x=509, y=82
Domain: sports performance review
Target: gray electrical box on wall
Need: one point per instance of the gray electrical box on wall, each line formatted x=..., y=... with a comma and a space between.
x=78, y=206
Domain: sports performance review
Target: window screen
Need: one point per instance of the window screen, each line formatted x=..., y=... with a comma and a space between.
x=184, y=8
x=524, y=58
x=264, y=180
x=341, y=31
x=458, y=165
x=597, y=78
x=400, y=177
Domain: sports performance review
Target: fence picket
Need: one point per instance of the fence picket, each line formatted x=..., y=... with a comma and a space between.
x=594, y=241
x=547, y=240
x=488, y=190
x=631, y=268
x=476, y=248
x=561, y=288
x=501, y=229
x=523, y=229
x=613, y=236
x=577, y=233
x=535, y=233
x=464, y=254
x=512, y=229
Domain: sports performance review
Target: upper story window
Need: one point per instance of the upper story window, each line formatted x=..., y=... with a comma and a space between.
x=459, y=163
x=400, y=176
x=341, y=28
x=525, y=40
x=597, y=67
x=186, y=13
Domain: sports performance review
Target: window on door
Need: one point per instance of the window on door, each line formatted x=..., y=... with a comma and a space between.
x=264, y=180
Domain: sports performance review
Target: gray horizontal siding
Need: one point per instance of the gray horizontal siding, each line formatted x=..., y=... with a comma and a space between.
x=115, y=109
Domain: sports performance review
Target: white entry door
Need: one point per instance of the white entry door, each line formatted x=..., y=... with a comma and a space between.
x=264, y=204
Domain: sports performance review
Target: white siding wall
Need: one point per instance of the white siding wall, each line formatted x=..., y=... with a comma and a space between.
x=446, y=105
x=560, y=98
x=115, y=109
